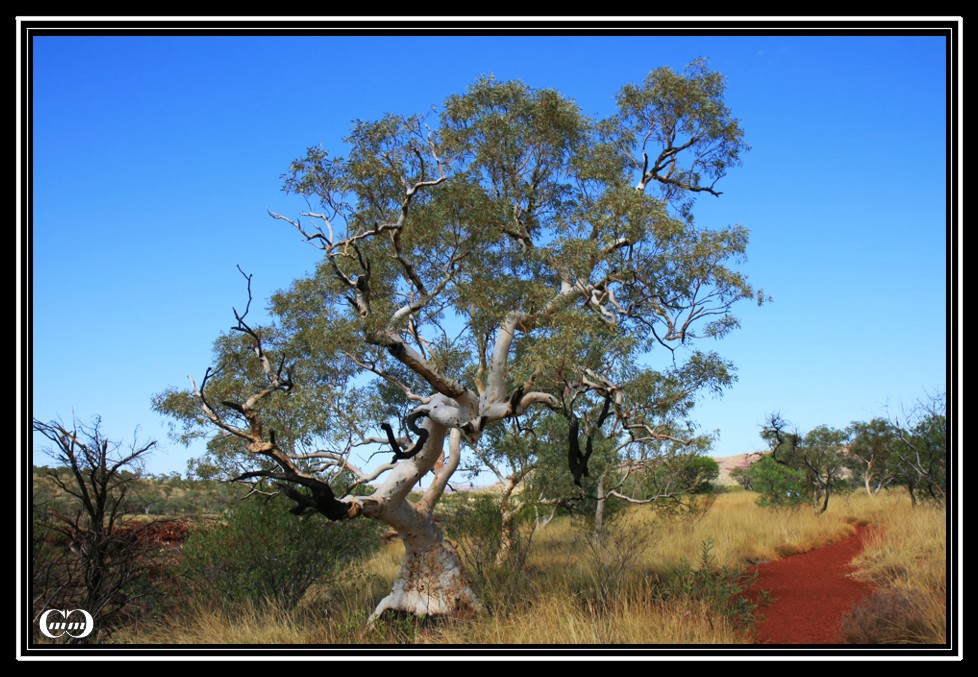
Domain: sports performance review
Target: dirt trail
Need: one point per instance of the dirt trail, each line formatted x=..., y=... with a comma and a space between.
x=812, y=592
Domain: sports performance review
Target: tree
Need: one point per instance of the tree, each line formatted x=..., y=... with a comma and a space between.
x=873, y=454
x=911, y=454
x=920, y=455
x=779, y=485
x=818, y=454
x=696, y=473
x=655, y=458
x=86, y=558
x=511, y=255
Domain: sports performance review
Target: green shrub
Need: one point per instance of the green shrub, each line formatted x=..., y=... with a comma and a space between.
x=698, y=474
x=778, y=485
x=260, y=552
x=475, y=522
x=724, y=588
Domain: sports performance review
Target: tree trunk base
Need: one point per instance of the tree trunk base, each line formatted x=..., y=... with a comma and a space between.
x=431, y=582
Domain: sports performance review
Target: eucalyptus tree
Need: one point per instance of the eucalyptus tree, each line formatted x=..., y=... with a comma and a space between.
x=872, y=453
x=506, y=255
x=649, y=451
x=820, y=454
x=920, y=456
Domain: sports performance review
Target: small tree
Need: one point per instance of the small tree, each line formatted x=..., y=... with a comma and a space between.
x=779, y=485
x=86, y=559
x=920, y=455
x=819, y=454
x=693, y=473
x=873, y=455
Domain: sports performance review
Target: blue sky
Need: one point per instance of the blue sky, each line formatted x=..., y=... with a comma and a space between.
x=156, y=158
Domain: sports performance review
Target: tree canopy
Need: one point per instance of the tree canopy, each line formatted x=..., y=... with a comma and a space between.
x=504, y=255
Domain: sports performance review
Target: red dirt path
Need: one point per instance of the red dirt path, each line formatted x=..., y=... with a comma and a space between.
x=811, y=592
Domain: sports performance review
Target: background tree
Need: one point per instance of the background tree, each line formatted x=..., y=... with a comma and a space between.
x=511, y=452
x=872, y=453
x=819, y=454
x=648, y=452
x=509, y=255
x=86, y=557
x=779, y=485
x=920, y=454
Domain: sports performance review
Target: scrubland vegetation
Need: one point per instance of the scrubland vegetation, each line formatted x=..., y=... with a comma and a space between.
x=653, y=576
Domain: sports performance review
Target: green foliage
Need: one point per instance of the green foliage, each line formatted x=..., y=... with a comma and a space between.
x=820, y=454
x=884, y=453
x=259, y=552
x=511, y=200
x=697, y=473
x=675, y=473
x=475, y=522
x=722, y=587
x=872, y=455
x=779, y=486
x=744, y=475
x=922, y=452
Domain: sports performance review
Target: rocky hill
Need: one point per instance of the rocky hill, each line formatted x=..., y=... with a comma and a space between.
x=728, y=463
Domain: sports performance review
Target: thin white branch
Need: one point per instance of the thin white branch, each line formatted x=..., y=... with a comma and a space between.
x=529, y=399
x=337, y=460
x=632, y=499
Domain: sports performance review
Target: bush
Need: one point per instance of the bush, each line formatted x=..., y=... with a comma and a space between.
x=612, y=557
x=778, y=485
x=260, y=552
x=886, y=617
x=699, y=473
x=723, y=588
x=475, y=522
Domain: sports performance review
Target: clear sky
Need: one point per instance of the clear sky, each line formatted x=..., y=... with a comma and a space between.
x=156, y=158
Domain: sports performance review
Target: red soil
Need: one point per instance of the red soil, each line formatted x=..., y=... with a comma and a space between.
x=812, y=593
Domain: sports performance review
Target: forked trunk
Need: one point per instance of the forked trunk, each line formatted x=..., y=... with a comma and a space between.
x=431, y=580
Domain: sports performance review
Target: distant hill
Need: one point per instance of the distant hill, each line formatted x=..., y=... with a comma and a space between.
x=728, y=463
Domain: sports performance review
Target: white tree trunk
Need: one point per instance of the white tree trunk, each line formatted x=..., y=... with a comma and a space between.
x=431, y=580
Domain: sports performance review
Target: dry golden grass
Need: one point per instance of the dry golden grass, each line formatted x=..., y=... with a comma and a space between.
x=906, y=552
x=578, y=589
x=563, y=620
x=741, y=532
x=245, y=624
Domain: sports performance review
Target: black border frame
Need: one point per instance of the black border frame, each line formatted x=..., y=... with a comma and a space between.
x=949, y=27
